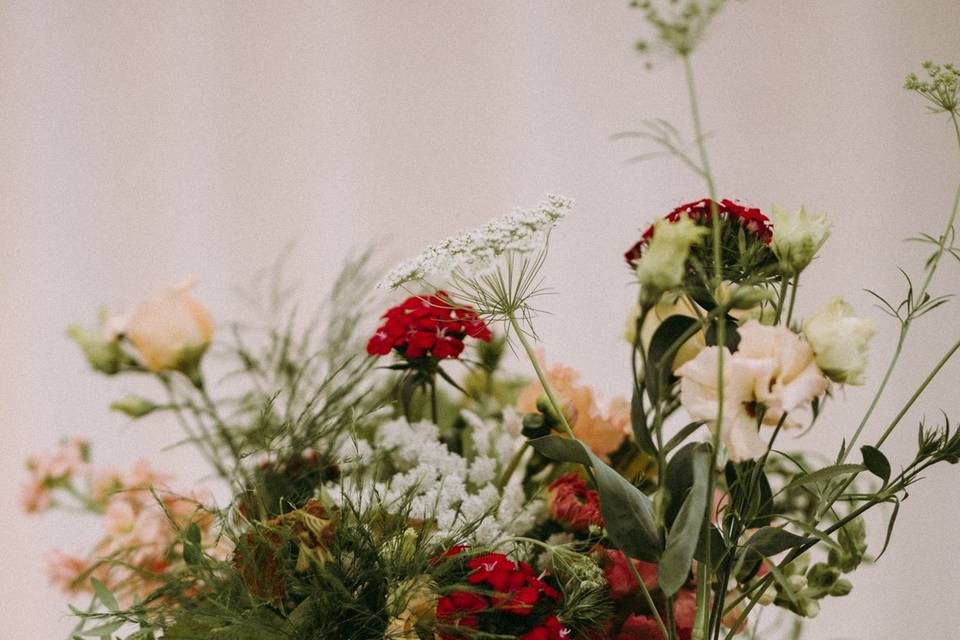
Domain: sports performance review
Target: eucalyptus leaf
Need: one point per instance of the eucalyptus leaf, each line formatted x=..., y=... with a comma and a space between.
x=641, y=431
x=731, y=337
x=769, y=541
x=101, y=631
x=104, y=595
x=827, y=473
x=627, y=512
x=659, y=374
x=674, y=566
x=876, y=462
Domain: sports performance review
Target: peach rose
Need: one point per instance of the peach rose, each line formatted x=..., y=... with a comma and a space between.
x=602, y=433
x=170, y=331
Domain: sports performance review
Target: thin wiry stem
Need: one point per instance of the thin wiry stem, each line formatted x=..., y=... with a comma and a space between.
x=702, y=622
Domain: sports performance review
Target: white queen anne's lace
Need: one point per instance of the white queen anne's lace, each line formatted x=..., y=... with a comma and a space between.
x=474, y=251
x=433, y=482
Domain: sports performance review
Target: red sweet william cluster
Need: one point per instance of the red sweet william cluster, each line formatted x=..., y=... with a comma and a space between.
x=511, y=589
x=428, y=325
x=573, y=504
x=749, y=218
x=632, y=620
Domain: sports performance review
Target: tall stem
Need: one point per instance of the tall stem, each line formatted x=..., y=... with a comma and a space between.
x=703, y=596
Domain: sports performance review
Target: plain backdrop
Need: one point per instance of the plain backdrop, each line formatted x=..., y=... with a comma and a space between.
x=142, y=142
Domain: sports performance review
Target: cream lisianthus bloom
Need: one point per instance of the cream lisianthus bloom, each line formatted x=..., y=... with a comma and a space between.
x=839, y=339
x=772, y=367
x=786, y=375
x=663, y=264
x=699, y=396
x=169, y=331
x=797, y=237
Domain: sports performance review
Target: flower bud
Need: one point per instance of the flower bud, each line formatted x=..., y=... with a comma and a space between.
x=768, y=596
x=839, y=340
x=535, y=426
x=134, y=406
x=663, y=264
x=170, y=331
x=811, y=608
x=105, y=356
x=797, y=237
x=551, y=417
x=841, y=587
x=822, y=575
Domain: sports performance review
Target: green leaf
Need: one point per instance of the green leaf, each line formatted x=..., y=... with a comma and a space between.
x=103, y=595
x=674, y=566
x=716, y=546
x=769, y=541
x=641, y=431
x=876, y=463
x=890, y=524
x=659, y=375
x=731, y=337
x=682, y=435
x=102, y=631
x=627, y=512
x=827, y=473
x=192, y=549
x=678, y=479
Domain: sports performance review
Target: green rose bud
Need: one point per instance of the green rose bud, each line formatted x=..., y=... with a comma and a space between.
x=839, y=340
x=664, y=263
x=797, y=237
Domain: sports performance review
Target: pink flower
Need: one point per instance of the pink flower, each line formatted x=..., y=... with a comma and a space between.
x=35, y=496
x=64, y=571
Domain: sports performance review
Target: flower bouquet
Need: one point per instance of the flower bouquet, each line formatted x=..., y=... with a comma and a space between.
x=394, y=479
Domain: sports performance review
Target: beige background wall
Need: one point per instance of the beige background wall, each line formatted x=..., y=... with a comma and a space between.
x=140, y=142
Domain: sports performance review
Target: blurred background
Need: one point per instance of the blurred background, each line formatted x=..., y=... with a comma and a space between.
x=143, y=142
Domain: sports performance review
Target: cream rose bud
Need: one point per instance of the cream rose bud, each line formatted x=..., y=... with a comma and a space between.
x=663, y=264
x=839, y=340
x=797, y=237
x=170, y=331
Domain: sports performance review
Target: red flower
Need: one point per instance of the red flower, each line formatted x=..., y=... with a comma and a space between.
x=432, y=326
x=751, y=219
x=551, y=630
x=573, y=504
x=639, y=628
x=517, y=587
x=459, y=609
x=620, y=578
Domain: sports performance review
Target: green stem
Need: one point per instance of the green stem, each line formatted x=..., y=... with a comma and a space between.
x=648, y=598
x=793, y=297
x=512, y=467
x=702, y=596
x=783, y=296
x=433, y=399
x=222, y=429
x=916, y=394
x=542, y=377
x=200, y=439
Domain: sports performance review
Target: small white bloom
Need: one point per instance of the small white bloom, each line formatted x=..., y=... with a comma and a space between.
x=474, y=252
x=797, y=237
x=663, y=264
x=839, y=339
